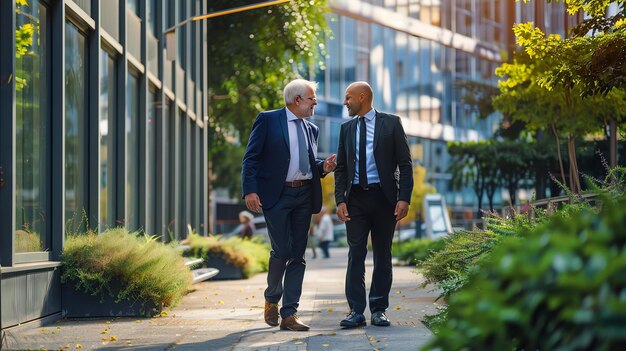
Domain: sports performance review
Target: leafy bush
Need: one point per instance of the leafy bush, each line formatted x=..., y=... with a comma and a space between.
x=416, y=250
x=462, y=250
x=562, y=287
x=143, y=268
x=251, y=256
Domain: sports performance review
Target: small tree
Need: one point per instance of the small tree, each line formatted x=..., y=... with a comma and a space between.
x=472, y=165
x=251, y=56
x=420, y=188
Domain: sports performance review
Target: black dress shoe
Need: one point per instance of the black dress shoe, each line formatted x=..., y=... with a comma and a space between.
x=353, y=320
x=380, y=319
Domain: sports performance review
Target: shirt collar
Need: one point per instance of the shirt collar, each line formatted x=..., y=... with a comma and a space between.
x=369, y=116
x=290, y=115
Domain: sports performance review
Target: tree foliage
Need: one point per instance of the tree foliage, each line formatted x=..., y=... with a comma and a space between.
x=24, y=41
x=252, y=55
x=420, y=188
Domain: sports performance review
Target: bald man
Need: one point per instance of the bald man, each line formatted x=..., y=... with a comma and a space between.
x=373, y=184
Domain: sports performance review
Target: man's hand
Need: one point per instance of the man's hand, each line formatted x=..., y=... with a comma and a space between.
x=329, y=164
x=342, y=212
x=253, y=203
x=402, y=208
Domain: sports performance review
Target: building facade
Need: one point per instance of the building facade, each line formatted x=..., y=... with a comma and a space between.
x=100, y=126
x=416, y=54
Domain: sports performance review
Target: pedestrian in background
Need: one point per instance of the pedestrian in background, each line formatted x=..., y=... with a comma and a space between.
x=281, y=176
x=248, y=229
x=324, y=230
x=312, y=240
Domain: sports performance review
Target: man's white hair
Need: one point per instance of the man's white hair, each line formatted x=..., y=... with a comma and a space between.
x=297, y=87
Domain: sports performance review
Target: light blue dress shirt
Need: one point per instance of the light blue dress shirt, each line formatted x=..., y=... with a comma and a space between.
x=372, y=171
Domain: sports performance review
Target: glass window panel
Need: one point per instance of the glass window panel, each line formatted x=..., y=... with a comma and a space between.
x=172, y=171
x=194, y=186
x=349, y=50
x=85, y=5
x=402, y=79
x=334, y=62
x=75, y=128
x=152, y=16
x=363, y=50
x=133, y=5
x=151, y=188
x=182, y=137
x=426, y=88
x=377, y=65
x=108, y=108
x=32, y=122
x=110, y=17
x=132, y=152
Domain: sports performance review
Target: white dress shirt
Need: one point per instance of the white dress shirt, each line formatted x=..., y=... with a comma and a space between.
x=293, y=173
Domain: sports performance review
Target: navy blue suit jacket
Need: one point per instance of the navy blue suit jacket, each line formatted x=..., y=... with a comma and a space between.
x=266, y=162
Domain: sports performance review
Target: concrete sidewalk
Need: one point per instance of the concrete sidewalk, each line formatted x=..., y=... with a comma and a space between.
x=228, y=315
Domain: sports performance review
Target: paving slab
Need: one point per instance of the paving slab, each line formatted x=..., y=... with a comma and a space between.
x=228, y=316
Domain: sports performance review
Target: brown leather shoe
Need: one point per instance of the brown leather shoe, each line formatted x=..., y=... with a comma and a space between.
x=293, y=323
x=271, y=313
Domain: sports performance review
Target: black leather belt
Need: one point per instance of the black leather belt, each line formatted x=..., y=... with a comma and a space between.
x=297, y=183
x=369, y=187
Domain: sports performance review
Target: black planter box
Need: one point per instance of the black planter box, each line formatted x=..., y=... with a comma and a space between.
x=79, y=304
x=227, y=270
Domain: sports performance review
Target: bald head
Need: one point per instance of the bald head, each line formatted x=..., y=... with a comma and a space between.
x=359, y=98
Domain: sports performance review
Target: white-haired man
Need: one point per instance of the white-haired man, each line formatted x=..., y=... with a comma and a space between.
x=281, y=176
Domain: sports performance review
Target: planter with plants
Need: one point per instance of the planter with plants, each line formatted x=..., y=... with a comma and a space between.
x=118, y=273
x=235, y=258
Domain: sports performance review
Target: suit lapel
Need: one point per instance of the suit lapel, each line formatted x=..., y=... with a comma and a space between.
x=378, y=126
x=351, y=139
x=283, y=126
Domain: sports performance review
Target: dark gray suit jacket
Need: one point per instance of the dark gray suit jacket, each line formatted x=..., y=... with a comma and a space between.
x=391, y=154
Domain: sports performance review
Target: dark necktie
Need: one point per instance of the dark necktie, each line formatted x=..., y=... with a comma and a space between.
x=303, y=151
x=362, y=153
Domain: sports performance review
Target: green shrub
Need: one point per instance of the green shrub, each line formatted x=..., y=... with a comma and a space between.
x=144, y=268
x=416, y=250
x=462, y=250
x=251, y=256
x=562, y=287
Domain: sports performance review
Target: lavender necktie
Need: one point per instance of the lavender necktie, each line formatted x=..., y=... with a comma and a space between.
x=302, y=149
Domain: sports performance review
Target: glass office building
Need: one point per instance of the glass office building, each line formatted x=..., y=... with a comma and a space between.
x=100, y=126
x=415, y=53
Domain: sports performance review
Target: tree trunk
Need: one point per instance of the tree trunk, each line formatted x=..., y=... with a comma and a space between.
x=558, y=151
x=512, y=188
x=479, y=189
x=573, y=165
x=613, y=142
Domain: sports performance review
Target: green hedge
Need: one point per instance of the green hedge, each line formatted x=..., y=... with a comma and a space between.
x=144, y=268
x=251, y=256
x=416, y=250
x=562, y=287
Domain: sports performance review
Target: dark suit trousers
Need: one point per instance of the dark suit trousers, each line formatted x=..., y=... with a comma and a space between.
x=288, y=227
x=369, y=211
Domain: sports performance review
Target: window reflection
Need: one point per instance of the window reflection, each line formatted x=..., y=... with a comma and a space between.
x=75, y=128
x=108, y=106
x=151, y=128
x=32, y=122
x=132, y=152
